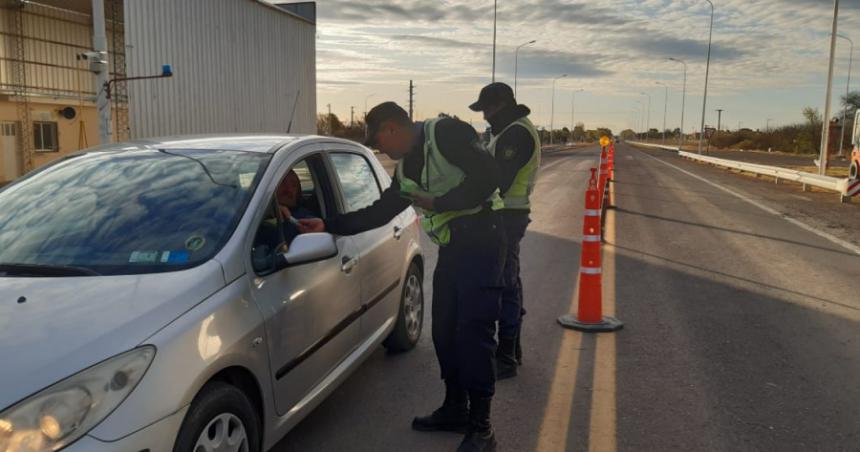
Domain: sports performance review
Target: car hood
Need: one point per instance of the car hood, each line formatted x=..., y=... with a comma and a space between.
x=68, y=324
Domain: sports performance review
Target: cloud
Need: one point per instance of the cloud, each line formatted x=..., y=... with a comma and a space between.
x=409, y=10
x=434, y=41
x=667, y=46
x=567, y=12
x=543, y=64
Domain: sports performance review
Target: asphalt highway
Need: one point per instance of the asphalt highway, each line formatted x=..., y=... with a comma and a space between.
x=742, y=329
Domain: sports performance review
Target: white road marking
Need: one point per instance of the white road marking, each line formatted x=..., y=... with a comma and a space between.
x=849, y=246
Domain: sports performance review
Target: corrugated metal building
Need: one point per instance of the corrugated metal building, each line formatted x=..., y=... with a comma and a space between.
x=239, y=66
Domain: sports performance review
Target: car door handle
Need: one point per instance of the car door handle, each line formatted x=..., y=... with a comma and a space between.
x=398, y=232
x=348, y=264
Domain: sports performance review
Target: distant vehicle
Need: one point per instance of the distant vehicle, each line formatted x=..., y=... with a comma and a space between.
x=854, y=171
x=154, y=297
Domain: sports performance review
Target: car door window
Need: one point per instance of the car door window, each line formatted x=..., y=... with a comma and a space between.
x=299, y=194
x=357, y=180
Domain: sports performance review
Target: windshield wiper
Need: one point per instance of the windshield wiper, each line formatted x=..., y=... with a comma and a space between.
x=13, y=269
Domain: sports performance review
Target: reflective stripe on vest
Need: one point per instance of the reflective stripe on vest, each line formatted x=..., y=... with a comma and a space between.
x=438, y=178
x=517, y=196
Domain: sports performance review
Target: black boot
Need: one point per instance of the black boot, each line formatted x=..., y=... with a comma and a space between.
x=519, y=351
x=506, y=359
x=519, y=348
x=452, y=416
x=480, y=437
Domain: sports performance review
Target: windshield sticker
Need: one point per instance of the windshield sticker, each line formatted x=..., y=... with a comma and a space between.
x=143, y=257
x=246, y=179
x=175, y=257
x=195, y=243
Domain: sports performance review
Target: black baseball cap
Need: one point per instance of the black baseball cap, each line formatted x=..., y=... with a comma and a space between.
x=386, y=111
x=492, y=94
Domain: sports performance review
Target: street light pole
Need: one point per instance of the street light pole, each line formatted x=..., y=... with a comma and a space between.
x=665, y=107
x=683, y=101
x=552, y=113
x=640, y=113
x=707, y=73
x=847, y=92
x=572, y=110
x=648, y=116
x=516, y=62
x=365, y=103
x=825, y=133
x=495, y=15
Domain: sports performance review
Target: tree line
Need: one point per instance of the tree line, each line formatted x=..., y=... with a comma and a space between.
x=331, y=125
x=801, y=137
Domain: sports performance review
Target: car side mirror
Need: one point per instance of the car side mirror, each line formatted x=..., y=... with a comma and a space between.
x=307, y=248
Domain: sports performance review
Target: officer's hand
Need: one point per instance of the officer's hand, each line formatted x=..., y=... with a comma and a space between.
x=424, y=202
x=311, y=225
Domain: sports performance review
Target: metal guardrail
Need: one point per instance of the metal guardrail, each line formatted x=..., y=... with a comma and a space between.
x=806, y=179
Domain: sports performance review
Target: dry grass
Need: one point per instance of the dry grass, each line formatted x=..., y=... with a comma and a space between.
x=831, y=171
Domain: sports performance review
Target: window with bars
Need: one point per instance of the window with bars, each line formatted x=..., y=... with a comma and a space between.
x=45, y=136
x=8, y=129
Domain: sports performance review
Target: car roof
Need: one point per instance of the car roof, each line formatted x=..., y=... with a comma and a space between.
x=227, y=142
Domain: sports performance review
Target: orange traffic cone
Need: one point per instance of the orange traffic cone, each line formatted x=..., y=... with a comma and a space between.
x=604, y=176
x=590, y=310
x=611, y=161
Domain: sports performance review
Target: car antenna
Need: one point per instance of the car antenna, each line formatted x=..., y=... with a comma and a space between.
x=293, y=113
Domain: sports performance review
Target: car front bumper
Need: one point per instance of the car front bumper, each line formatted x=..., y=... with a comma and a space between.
x=157, y=437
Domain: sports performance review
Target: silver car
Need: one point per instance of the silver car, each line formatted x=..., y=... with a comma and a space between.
x=155, y=296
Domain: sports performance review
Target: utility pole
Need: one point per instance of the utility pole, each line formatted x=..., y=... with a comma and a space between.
x=825, y=133
x=351, y=116
x=665, y=107
x=411, y=99
x=495, y=15
x=102, y=72
x=847, y=92
x=707, y=73
x=683, y=101
x=330, y=128
x=719, y=118
x=552, y=114
x=572, y=111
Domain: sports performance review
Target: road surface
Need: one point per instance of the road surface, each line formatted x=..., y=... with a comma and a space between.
x=742, y=329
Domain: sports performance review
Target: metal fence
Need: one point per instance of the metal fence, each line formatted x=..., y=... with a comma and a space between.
x=835, y=184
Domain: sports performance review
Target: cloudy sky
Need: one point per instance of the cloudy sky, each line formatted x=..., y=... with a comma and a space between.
x=769, y=57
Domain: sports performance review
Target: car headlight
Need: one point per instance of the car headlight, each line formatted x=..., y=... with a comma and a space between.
x=60, y=414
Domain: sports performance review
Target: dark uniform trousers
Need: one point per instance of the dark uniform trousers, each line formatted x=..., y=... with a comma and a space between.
x=515, y=224
x=467, y=290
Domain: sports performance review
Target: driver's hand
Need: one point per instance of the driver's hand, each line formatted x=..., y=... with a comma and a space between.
x=285, y=211
x=311, y=225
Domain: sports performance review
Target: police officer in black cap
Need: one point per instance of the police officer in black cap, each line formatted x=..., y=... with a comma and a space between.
x=515, y=144
x=451, y=180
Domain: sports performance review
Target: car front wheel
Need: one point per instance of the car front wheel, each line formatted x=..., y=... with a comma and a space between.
x=410, y=319
x=221, y=419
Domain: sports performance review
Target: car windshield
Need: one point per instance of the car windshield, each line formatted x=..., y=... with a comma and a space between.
x=126, y=212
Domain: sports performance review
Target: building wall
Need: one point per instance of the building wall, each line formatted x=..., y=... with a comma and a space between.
x=70, y=136
x=238, y=67
x=50, y=77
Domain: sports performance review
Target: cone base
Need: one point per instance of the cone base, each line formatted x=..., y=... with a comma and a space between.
x=608, y=324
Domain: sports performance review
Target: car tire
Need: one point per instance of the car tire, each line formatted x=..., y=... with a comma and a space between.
x=853, y=172
x=220, y=411
x=410, y=318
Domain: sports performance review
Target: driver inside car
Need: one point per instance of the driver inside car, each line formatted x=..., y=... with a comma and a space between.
x=287, y=196
x=286, y=202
